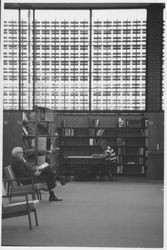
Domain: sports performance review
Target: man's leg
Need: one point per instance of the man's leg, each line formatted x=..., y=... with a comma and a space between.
x=53, y=197
x=62, y=180
x=109, y=171
x=102, y=169
x=49, y=176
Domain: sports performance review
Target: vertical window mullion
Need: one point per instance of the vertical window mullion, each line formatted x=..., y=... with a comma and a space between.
x=29, y=105
x=90, y=62
x=34, y=58
x=19, y=59
x=55, y=74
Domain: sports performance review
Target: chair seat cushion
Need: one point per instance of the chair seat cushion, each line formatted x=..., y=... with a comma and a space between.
x=26, y=188
x=19, y=206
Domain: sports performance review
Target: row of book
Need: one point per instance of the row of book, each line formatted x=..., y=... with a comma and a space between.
x=123, y=160
x=96, y=132
x=100, y=132
x=125, y=150
x=69, y=132
x=121, y=169
x=92, y=132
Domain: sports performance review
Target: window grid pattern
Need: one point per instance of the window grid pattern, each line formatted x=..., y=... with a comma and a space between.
x=118, y=63
x=11, y=65
x=62, y=58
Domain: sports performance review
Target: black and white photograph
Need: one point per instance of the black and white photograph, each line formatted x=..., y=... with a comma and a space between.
x=82, y=126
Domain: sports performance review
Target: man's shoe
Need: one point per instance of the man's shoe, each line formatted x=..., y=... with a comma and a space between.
x=54, y=198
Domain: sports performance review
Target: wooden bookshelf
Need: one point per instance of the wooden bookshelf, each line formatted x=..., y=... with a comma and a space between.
x=40, y=136
x=82, y=134
x=54, y=135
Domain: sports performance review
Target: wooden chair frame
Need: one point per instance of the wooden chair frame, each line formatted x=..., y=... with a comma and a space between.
x=28, y=209
x=14, y=183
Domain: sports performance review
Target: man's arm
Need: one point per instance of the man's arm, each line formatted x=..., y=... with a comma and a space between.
x=21, y=169
x=103, y=155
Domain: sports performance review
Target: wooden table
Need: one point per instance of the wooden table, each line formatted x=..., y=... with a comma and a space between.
x=84, y=165
x=83, y=157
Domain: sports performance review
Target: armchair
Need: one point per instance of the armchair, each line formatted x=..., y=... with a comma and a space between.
x=21, y=208
x=15, y=185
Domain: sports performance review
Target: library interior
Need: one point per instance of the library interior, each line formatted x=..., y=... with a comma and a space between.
x=83, y=124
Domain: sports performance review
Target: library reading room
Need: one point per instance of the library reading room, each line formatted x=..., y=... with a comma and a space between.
x=83, y=124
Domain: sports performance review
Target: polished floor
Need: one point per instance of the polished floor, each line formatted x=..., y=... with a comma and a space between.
x=122, y=213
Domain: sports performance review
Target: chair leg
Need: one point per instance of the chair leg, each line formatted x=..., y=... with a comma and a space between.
x=40, y=195
x=29, y=219
x=37, y=193
x=33, y=196
x=36, y=219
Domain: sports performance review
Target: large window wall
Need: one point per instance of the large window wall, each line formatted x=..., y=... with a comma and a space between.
x=75, y=59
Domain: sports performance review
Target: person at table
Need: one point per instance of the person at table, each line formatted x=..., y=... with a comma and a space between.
x=109, y=160
x=22, y=168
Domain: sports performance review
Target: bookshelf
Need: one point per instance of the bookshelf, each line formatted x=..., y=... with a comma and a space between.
x=83, y=134
x=12, y=134
x=53, y=135
x=40, y=136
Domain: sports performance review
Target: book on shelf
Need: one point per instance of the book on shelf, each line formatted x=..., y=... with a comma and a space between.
x=69, y=132
x=100, y=132
x=25, y=130
x=141, y=151
x=120, y=150
x=101, y=142
x=121, y=122
x=130, y=163
x=41, y=143
x=134, y=123
x=119, y=159
x=25, y=118
x=140, y=160
x=96, y=122
x=28, y=128
x=142, y=169
x=92, y=141
x=119, y=169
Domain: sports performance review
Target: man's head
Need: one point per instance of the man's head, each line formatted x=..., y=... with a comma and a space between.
x=17, y=152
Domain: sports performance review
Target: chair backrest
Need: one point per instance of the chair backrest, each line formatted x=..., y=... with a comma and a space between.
x=5, y=201
x=10, y=175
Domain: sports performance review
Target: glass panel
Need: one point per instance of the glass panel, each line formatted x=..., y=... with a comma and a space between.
x=118, y=59
x=62, y=56
x=26, y=59
x=62, y=63
x=11, y=60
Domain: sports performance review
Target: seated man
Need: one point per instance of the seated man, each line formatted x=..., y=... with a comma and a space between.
x=109, y=160
x=22, y=168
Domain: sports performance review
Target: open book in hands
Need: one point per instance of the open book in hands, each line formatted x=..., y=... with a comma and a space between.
x=42, y=166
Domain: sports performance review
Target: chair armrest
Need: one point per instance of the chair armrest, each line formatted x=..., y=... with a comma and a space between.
x=5, y=180
x=18, y=179
x=17, y=194
x=26, y=200
x=9, y=181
